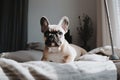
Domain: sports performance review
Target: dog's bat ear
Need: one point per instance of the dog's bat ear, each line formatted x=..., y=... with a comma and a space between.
x=44, y=24
x=64, y=23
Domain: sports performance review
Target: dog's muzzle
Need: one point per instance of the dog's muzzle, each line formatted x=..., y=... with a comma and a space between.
x=52, y=41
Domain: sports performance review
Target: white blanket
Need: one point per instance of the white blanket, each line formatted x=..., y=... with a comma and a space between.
x=39, y=70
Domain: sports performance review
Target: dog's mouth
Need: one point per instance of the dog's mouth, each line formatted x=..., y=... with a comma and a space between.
x=53, y=41
x=52, y=44
x=52, y=38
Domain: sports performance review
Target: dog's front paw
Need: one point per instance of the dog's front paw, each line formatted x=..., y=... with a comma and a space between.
x=67, y=59
x=44, y=59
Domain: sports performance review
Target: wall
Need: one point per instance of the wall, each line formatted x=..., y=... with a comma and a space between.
x=54, y=10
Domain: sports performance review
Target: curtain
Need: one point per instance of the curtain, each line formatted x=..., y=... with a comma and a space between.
x=103, y=37
x=100, y=16
x=13, y=24
x=116, y=15
x=102, y=28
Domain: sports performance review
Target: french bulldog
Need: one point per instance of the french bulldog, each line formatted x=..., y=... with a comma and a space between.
x=57, y=49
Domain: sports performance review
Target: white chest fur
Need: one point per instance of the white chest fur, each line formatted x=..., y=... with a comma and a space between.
x=55, y=54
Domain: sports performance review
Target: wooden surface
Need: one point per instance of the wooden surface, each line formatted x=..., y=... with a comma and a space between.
x=115, y=61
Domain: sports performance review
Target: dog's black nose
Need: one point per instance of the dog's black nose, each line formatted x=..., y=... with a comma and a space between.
x=51, y=38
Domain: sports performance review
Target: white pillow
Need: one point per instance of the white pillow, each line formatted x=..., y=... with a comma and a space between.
x=106, y=50
x=94, y=57
x=23, y=55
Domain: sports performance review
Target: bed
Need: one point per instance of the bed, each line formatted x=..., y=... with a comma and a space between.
x=27, y=65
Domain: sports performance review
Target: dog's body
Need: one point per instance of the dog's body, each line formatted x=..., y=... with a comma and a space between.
x=57, y=49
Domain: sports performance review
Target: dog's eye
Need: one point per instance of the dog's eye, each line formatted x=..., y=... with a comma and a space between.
x=46, y=34
x=60, y=33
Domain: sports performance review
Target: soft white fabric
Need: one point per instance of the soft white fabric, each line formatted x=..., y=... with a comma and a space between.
x=23, y=55
x=39, y=70
x=106, y=50
x=93, y=57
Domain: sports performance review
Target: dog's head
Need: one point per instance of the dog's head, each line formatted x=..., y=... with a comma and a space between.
x=54, y=34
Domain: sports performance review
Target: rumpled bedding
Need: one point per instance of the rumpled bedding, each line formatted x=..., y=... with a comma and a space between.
x=40, y=70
